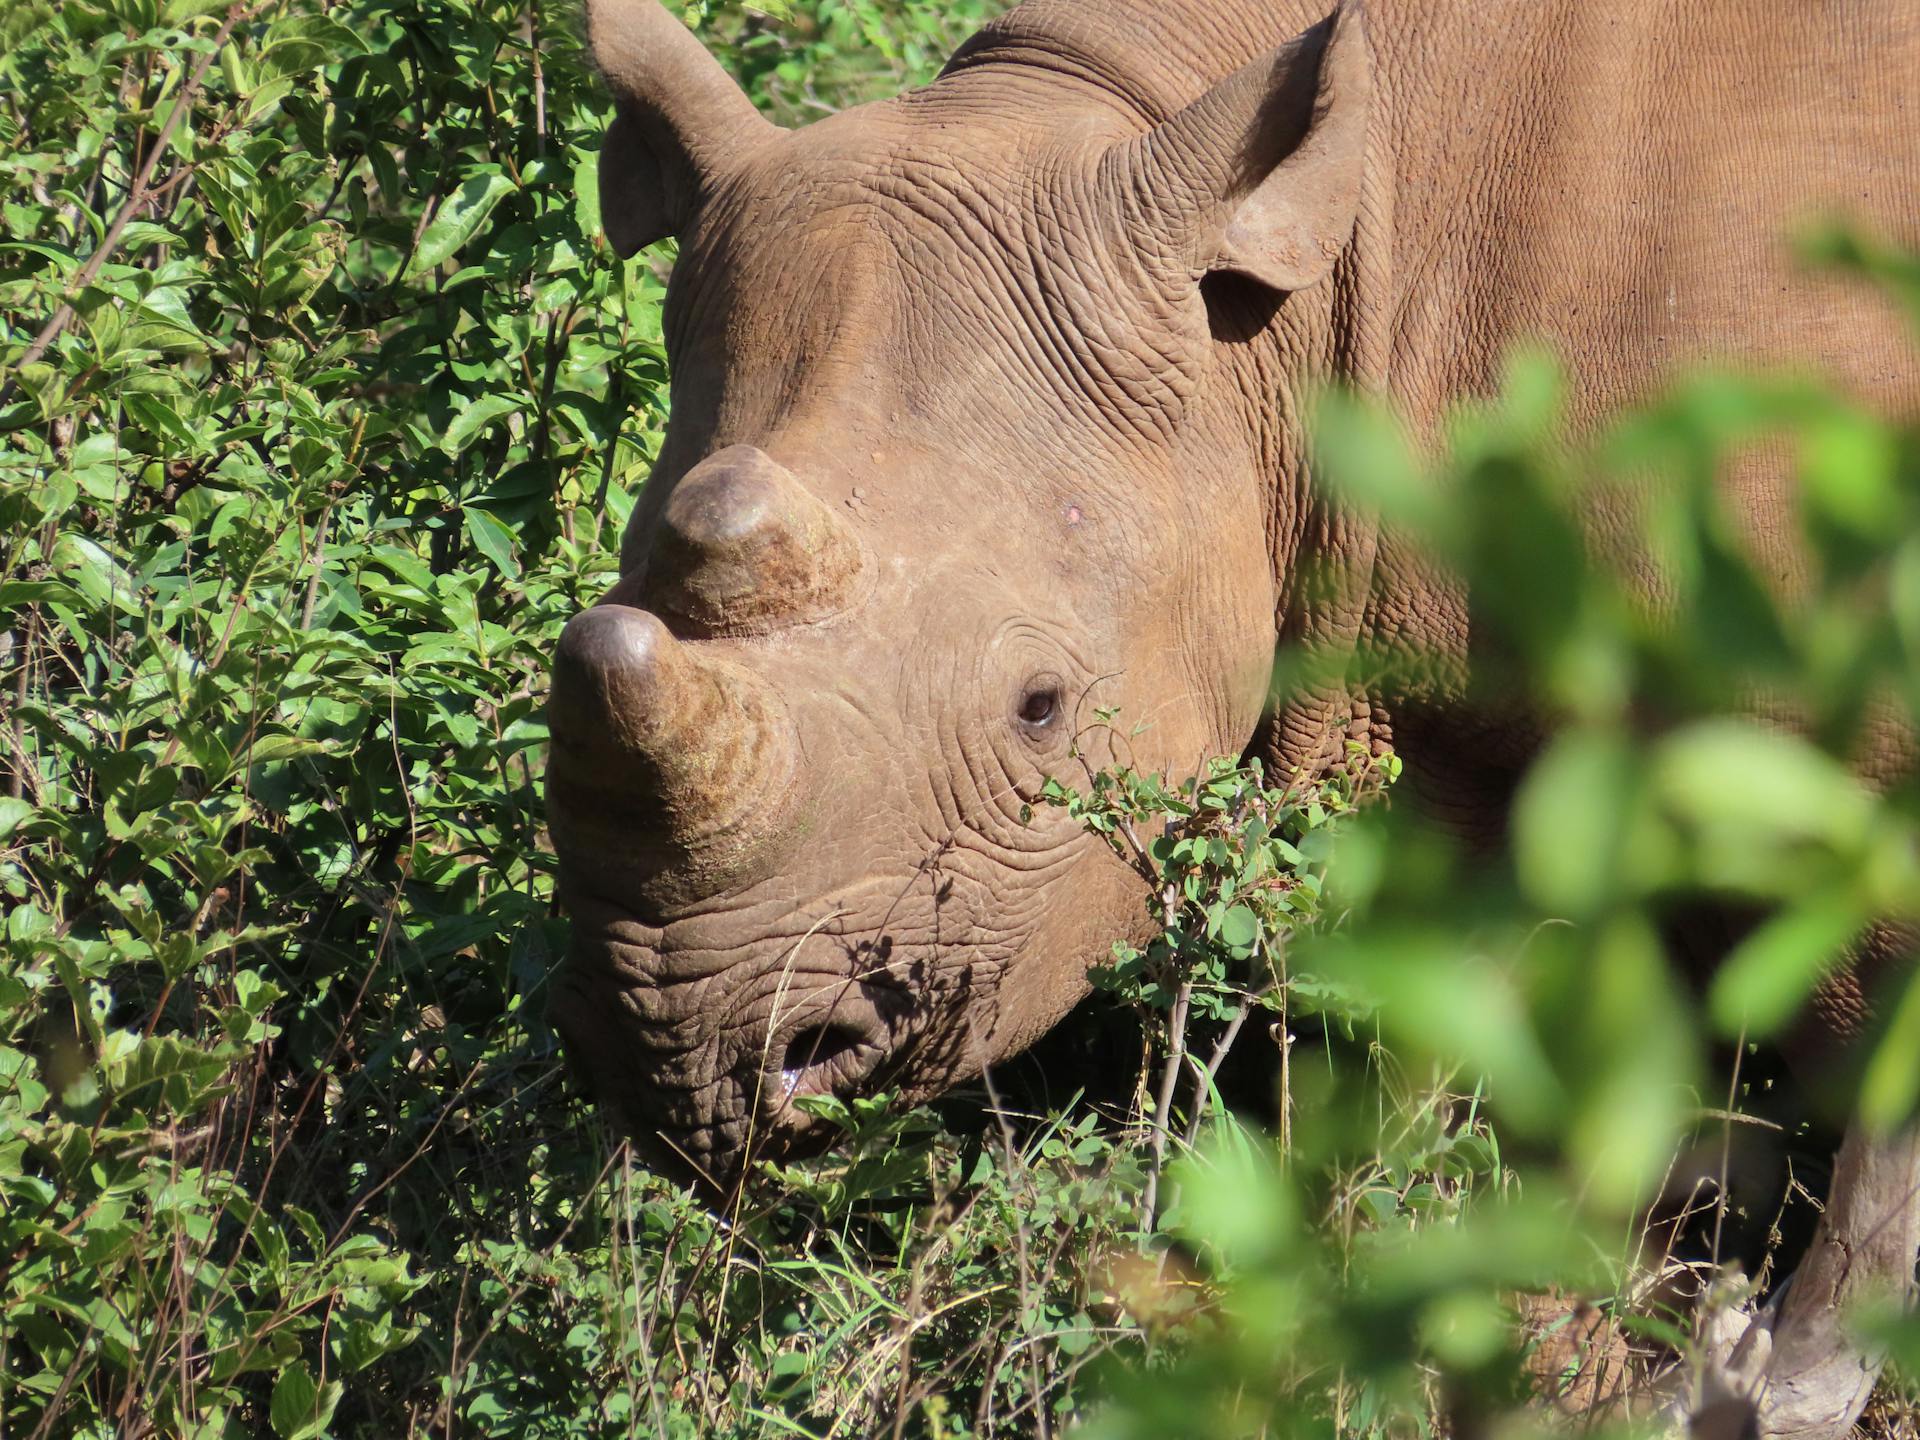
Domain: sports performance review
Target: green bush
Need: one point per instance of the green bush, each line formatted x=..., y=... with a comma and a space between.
x=321, y=407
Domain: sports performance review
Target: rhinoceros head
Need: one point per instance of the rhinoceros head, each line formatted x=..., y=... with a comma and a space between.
x=961, y=453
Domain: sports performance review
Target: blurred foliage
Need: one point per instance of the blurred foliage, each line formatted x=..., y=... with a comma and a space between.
x=1711, y=722
x=321, y=406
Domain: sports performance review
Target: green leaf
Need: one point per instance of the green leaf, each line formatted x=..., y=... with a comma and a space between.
x=14, y=812
x=1890, y=1090
x=1769, y=975
x=96, y=572
x=460, y=215
x=26, y=592
x=271, y=748
x=1850, y=464
x=302, y=1409
x=179, y=12
x=492, y=539
x=586, y=193
x=160, y=416
x=161, y=322
x=476, y=417
x=1363, y=456
x=1239, y=928
x=1760, y=787
x=1570, y=819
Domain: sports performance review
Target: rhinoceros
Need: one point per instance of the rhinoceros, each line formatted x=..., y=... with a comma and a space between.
x=987, y=413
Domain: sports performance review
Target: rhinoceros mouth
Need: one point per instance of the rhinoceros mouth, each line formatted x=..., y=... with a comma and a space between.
x=709, y=1074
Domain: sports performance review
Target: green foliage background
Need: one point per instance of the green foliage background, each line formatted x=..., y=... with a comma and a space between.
x=341, y=424
x=321, y=406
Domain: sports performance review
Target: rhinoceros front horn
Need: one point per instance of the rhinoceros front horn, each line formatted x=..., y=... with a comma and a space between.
x=666, y=760
x=742, y=547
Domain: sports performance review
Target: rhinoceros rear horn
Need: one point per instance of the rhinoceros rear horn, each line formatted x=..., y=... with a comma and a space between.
x=742, y=547
x=680, y=124
x=1260, y=176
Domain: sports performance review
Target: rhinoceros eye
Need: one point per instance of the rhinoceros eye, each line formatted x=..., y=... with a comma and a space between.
x=1040, y=703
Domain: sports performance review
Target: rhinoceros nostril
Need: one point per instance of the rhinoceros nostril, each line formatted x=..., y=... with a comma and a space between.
x=817, y=1057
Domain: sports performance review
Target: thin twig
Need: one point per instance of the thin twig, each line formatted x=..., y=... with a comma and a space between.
x=1726, y=1143
x=616, y=403
x=530, y=29
x=29, y=637
x=1163, y=1102
x=1022, y=1247
x=316, y=561
x=1203, y=1074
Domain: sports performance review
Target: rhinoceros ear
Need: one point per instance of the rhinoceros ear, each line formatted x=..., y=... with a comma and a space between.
x=680, y=121
x=1261, y=175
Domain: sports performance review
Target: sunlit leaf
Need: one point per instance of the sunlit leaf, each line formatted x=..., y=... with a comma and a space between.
x=1571, y=819
x=1769, y=975
x=458, y=219
x=1890, y=1090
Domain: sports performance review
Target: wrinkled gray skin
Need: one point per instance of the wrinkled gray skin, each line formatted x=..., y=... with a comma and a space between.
x=986, y=412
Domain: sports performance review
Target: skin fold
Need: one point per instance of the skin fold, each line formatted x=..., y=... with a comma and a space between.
x=986, y=413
